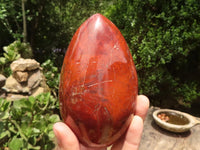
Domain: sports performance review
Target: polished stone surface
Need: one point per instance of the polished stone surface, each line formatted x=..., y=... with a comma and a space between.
x=98, y=84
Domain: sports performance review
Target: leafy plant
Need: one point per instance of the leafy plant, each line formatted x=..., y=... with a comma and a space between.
x=27, y=124
x=187, y=92
x=10, y=54
x=52, y=75
x=164, y=40
x=13, y=52
x=10, y=18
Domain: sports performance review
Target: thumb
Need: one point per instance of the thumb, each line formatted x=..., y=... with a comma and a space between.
x=66, y=140
x=134, y=134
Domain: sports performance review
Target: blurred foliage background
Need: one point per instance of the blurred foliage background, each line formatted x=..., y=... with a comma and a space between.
x=163, y=37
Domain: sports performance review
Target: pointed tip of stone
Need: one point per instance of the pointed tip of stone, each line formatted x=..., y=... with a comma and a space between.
x=97, y=15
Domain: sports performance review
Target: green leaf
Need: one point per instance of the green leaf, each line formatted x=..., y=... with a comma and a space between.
x=36, y=131
x=4, y=105
x=51, y=134
x=162, y=61
x=23, y=103
x=6, y=56
x=4, y=115
x=4, y=134
x=2, y=60
x=26, y=130
x=54, y=118
x=16, y=144
x=12, y=129
x=3, y=131
x=33, y=147
x=5, y=48
x=40, y=122
x=32, y=100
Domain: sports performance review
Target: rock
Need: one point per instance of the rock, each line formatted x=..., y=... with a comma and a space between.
x=43, y=84
x=37, y=91
x=2, y=94
x=2, y=80
x=24, y=64
x=26, y=80
x=34, y=79
x=2, y=83
x=42, y=88
x=12, y=96
x=15, y=87
x=20, y=76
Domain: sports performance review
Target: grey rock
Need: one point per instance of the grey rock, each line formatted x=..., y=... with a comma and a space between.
x=15, y=87
x=20, y=76
x=12, y=96
x=26, y=80
x=34, y=79
x=37, y=91
x=43, y=84
x=24, y=65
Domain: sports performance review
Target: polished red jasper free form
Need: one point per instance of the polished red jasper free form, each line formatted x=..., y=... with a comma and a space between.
x=98, y=83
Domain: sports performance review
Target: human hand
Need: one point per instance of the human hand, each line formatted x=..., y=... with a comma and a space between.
x=67, y=140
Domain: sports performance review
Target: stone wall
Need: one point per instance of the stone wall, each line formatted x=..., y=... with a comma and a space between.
x=26, y=80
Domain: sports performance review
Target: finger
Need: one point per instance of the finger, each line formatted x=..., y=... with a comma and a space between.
x=134, y=134
x=66, y=140
x=142, y=105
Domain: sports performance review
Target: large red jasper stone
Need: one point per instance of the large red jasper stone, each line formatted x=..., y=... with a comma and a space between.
x=98, y=83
